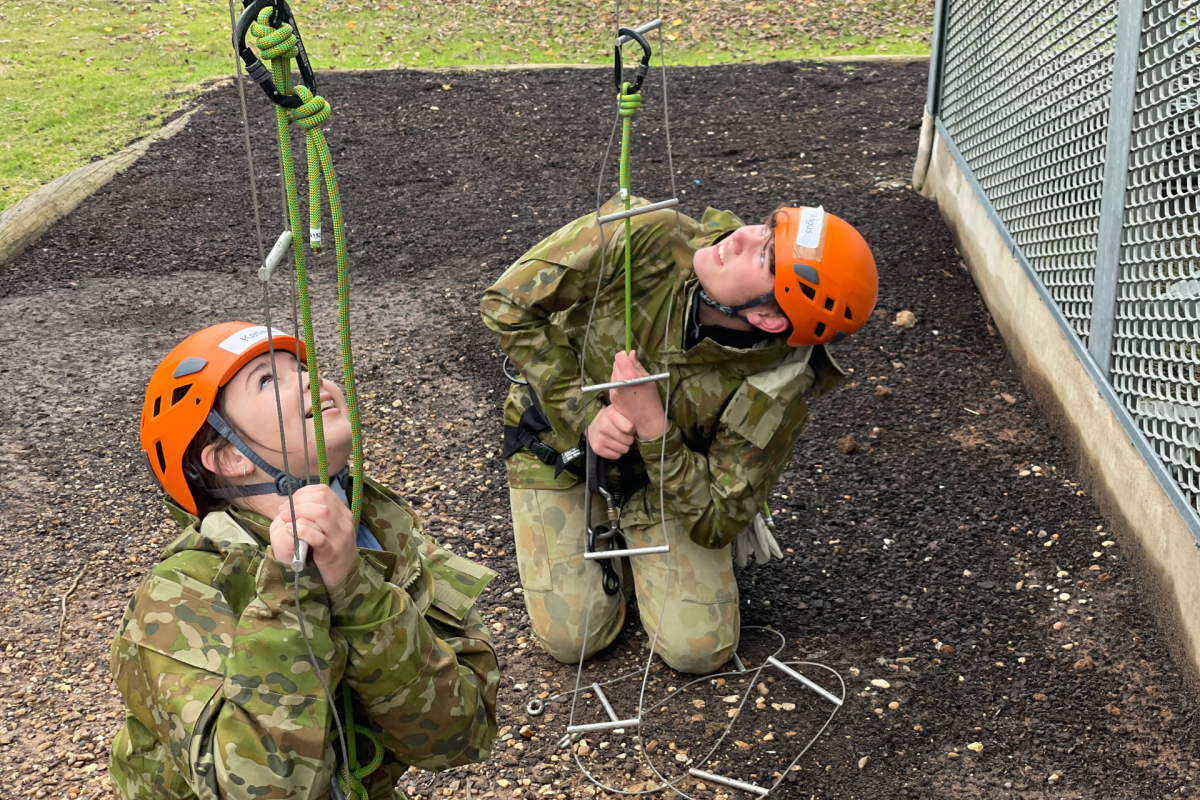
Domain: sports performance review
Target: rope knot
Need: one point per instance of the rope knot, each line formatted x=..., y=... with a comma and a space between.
x=628, y=103
x=273, y=43
x=313, y=112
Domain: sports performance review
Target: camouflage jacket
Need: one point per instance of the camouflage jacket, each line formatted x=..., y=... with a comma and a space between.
x=734, y=414
x=223, y=701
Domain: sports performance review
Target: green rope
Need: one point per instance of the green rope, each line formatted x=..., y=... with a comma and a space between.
x=626, y=105
x=279, y=46
x=351, y=780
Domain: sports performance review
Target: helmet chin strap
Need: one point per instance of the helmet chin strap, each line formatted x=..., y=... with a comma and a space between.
x=282, y=479
x=733, y=311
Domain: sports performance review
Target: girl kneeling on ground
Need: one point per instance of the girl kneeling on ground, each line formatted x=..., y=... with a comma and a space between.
x=222, y=696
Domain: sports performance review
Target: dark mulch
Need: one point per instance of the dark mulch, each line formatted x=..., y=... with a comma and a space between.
x=925, y=557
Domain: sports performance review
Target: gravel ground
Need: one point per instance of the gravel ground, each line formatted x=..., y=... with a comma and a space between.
x=942, y=554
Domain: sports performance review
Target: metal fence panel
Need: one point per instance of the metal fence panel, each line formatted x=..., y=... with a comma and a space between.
x=1156, y=341
x=1025, y=96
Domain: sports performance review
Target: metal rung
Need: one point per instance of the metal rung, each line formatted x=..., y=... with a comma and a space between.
x=636, y=551
x=633, y=212
x=737, y=662
x=603, y=387
x=605, y=726
x=604, y=702
x=789, y=671
x=730, y=782
x=275, y=256
x=649, y=26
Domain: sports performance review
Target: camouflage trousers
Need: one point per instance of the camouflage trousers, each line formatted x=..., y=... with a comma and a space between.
x=700, y=621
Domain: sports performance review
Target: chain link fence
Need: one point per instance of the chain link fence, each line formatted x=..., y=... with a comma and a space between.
x=1079, y=123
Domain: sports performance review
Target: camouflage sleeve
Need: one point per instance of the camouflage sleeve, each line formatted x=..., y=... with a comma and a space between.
x=431, y=690
x=557, y=273
x=218, y=705
x=717, y=494
x=560, y=271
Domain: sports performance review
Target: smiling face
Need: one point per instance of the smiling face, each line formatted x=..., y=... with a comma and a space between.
x=739, y=269
x=249, y=406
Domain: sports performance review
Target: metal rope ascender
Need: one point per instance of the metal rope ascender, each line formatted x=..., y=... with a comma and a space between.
x=277, y=36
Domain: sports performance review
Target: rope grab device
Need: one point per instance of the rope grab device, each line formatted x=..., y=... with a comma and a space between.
x=272, y=26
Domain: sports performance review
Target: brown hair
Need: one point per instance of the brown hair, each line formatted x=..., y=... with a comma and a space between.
x=769, y=248
x=200, y=480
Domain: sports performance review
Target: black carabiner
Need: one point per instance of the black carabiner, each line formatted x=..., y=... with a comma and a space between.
x=610, y=579
x=281, y=13
x=619, y=64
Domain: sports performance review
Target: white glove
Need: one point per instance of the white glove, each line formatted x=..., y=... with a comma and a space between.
x=757, y=538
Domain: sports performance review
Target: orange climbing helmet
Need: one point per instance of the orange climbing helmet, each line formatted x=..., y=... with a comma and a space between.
x=825, y=277
x=183, y=391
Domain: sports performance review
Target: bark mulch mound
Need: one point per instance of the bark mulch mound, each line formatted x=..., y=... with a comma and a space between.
x=941, y=554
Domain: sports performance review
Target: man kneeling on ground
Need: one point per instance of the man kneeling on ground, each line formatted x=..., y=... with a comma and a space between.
x=740, y=316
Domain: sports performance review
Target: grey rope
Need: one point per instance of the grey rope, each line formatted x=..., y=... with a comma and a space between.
x=662, y=68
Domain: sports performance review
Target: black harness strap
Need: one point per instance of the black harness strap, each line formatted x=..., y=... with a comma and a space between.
x=524, y=436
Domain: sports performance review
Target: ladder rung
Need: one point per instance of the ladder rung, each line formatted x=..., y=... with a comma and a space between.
x=633, y=212
x=603, y=387
x=730, y=782
x=604, y=702
x=604, y=726
x=649, y=26
x=789, y=671
x=635, y=551
x=275, y=256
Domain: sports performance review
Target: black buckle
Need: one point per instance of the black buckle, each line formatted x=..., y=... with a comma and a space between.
x=281, y=13
x=286, y=484
x=619, y=65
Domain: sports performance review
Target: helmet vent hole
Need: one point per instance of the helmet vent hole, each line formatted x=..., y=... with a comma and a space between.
x=809, y=292
x=162, y=459
x=179, y=393
x=829, y=304
x=848, y=314
x=157, y=406
x=820, y=329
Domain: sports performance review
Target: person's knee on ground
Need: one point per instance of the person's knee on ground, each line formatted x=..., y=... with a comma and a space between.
x=558, y=623
x=704, y=643
x=568, y=610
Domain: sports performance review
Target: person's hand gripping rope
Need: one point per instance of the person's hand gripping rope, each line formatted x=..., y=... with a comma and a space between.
x=636, y=411
x=326, y=524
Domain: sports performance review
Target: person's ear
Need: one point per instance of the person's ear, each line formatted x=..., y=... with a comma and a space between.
x=769, y=321
x=225, y=461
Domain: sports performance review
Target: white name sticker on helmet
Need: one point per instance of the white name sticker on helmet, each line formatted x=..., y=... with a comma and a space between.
x=810, y=236
x=244, y=339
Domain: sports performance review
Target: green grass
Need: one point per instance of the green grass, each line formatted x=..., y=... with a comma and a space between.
x=80, y=82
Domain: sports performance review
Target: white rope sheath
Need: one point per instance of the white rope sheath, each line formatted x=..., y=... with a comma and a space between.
x=278, y=400
x=752, y=678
